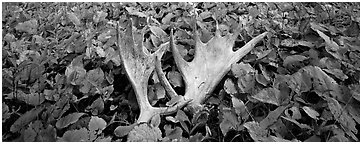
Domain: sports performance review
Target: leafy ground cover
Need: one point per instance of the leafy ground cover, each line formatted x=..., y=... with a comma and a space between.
x=62, y=78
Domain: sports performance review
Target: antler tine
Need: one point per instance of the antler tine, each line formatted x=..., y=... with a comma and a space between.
x=164, y=82
x=217, y=32
x=179, y=60
x=248, y=47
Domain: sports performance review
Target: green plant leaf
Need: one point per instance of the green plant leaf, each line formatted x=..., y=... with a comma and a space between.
x=67, y=120
x=295, y=113
x=81, y=135
x=29, y=135
x=293, y=59
x=26, y=118
x=100, y=16
x=230, y=121
x=268, y=95
x=158, y=32
x=96, y=125
x=272, y=117
x=155, y=120
x=337, y=73
x=341, y=115
x=30, y=71
x=28, y=26
x=97, y=106
x=47, y=134
x=112, y=55
x=173, y=133
x=175, y=78
x=240, y=108
x=255, y=131
x=73, y=18
x=121, y=131
x=229, y=87
x=94, y=79
x=181, y=116
x=5, y=112
x=302, y=126
x=331, y=46
x=160, y=91
x=31, y=99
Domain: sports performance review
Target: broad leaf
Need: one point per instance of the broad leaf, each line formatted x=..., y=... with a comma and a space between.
x=181, y=116
x=155, y=120
x=302, y=126
x=121, y=131
x=97, y=106
x=341, y=115
x=293, y=113
x=240, y=108
x=26, y=118
x=331, y=46
x=81, y=135
x=268, y=95
x=311, y=112
x=31, y=99
x=229, y=121
x=67, y=120
x=28, y=26
x=272, y=117
x=175, y=78
x=73, y=18
x=229, y=87
x=97, y=124
x=158, y=31
x=100, y=16
x=337, y=73
x=293, y=59
x=173, y=133
x=255, y=131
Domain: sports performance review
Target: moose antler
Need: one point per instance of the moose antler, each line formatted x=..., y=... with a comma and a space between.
x=139, y=63
x=212, y=60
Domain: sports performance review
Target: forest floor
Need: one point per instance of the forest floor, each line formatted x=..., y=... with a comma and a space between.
x=62, y=78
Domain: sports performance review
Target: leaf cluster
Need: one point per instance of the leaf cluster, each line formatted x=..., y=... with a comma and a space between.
x=63, y=79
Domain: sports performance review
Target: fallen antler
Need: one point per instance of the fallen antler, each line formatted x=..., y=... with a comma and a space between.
x=212, y=60
x=139, y=63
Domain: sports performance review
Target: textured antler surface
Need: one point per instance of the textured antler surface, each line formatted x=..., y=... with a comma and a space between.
x=139, y=63
x=211, y=62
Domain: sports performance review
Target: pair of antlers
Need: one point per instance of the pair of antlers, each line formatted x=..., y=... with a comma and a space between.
x=212, y=60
